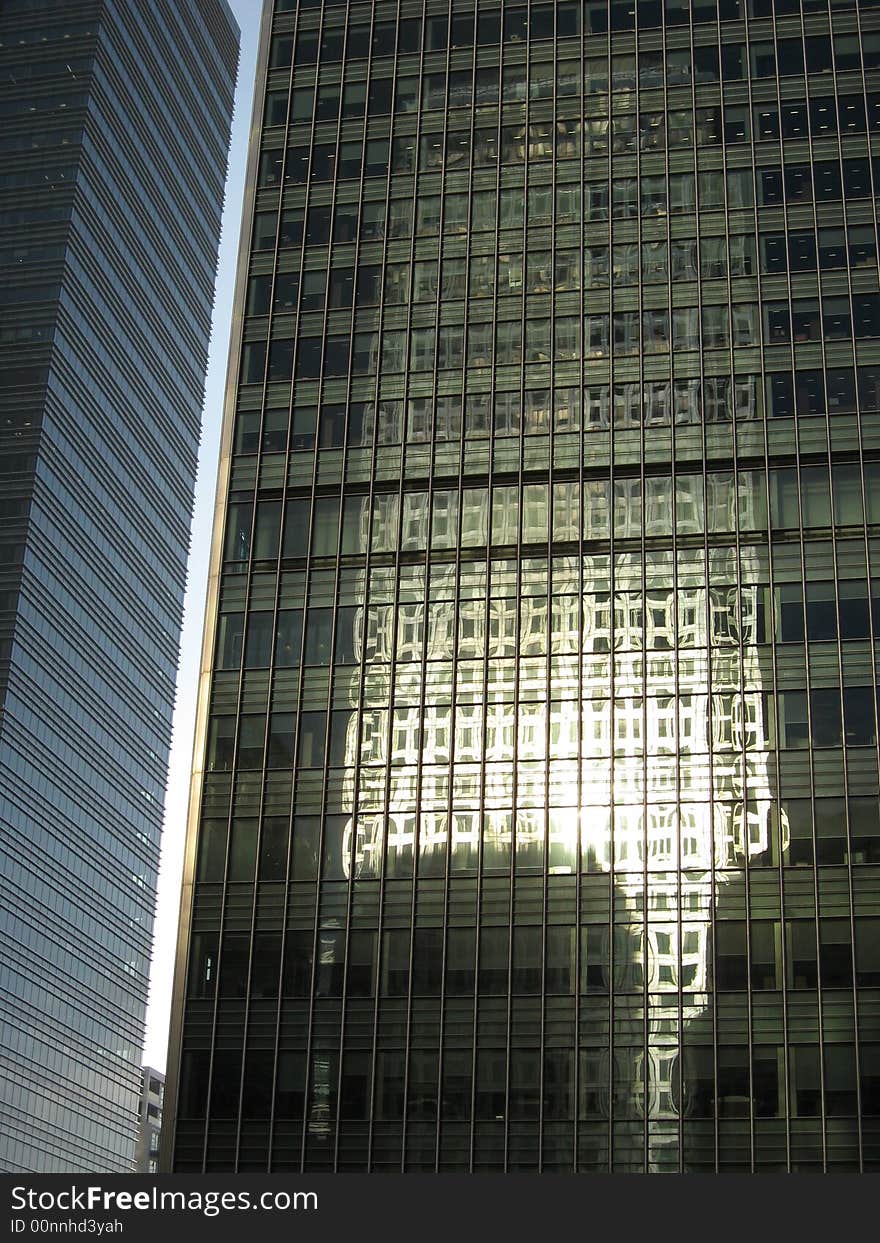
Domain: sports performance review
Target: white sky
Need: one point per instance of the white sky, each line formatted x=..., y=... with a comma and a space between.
x=247, y=13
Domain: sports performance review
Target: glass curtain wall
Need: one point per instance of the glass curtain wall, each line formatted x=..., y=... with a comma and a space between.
x=114, y=131
x=539, y=823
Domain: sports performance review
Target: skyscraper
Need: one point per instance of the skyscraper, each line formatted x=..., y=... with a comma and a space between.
x=535, y=814
x=150, y=1122
x=115, y=129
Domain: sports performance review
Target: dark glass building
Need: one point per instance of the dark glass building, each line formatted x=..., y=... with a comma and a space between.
x=114, y=128
x=537, y=826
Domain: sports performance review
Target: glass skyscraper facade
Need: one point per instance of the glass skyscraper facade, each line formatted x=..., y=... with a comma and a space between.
x=114, y=128
x=535, y=816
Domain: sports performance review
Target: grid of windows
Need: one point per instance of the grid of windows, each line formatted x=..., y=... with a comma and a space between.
x=539, y=824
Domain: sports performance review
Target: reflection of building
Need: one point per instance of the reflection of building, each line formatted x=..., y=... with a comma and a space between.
x=146, y=1160
x=539, y=808
x=115, y=127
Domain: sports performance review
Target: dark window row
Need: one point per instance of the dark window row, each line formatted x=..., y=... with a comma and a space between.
x=764, y=955
x=340, y=354
x=826, y=181
x=820, y=612
x=814, y=718
x=806, y=251
x=569, y=138
x=463, y=88
x=812, y=319
x=809, y=393
x=437, y=33
x=804, y=393
x=518, y=23
x=760, y=59
x=539, y=271
x=731, y=1081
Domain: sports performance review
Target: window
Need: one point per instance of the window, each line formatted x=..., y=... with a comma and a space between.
x=230, y=632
